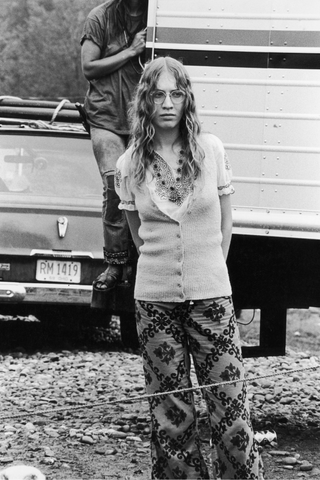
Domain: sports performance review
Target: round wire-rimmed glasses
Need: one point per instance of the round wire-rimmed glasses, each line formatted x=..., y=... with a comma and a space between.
x=176, y=96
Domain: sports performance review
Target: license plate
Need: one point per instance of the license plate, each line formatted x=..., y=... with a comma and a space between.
x=58, y=271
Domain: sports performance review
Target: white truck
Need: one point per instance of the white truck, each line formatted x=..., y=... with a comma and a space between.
x=255, y=67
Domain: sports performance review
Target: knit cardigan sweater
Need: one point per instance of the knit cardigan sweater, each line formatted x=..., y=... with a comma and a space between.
x=183, y=260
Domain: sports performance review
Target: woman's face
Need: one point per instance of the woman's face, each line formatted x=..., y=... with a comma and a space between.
x=167, y=114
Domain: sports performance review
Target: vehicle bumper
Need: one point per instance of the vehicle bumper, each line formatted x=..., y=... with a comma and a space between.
x=11, y=292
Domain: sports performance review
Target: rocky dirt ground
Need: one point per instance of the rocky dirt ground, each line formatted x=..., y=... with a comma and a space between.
x=87, y=431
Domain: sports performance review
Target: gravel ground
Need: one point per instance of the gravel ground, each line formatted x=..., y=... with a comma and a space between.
x=83, y=435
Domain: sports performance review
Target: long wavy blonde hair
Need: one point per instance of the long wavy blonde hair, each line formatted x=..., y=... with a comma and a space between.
x=141, y=118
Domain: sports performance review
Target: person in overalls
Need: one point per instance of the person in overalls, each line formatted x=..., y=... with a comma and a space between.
x=113, y=41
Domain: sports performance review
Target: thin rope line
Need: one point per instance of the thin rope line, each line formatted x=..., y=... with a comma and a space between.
x=158, y=394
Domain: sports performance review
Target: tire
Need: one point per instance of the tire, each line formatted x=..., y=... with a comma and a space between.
x=128, y=329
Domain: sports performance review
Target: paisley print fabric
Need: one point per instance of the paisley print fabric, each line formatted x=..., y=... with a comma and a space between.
x=169, y=333
x=167, y=187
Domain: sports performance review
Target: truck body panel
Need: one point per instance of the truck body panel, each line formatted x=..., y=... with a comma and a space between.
x=256, y=78
x=255, y=71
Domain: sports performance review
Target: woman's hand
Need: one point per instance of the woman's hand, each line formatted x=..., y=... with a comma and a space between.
x=139, y=43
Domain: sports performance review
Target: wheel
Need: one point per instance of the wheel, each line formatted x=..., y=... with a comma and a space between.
x=128, y=329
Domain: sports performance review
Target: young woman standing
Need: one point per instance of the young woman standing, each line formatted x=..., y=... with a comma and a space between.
x=174, y=185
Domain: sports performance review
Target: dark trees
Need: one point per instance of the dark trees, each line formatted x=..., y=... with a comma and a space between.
x=40, y=48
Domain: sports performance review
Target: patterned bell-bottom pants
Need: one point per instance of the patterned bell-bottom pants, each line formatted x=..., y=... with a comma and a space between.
x=206, y=329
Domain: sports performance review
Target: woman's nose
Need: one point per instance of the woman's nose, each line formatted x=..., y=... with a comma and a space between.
x=167, y=101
